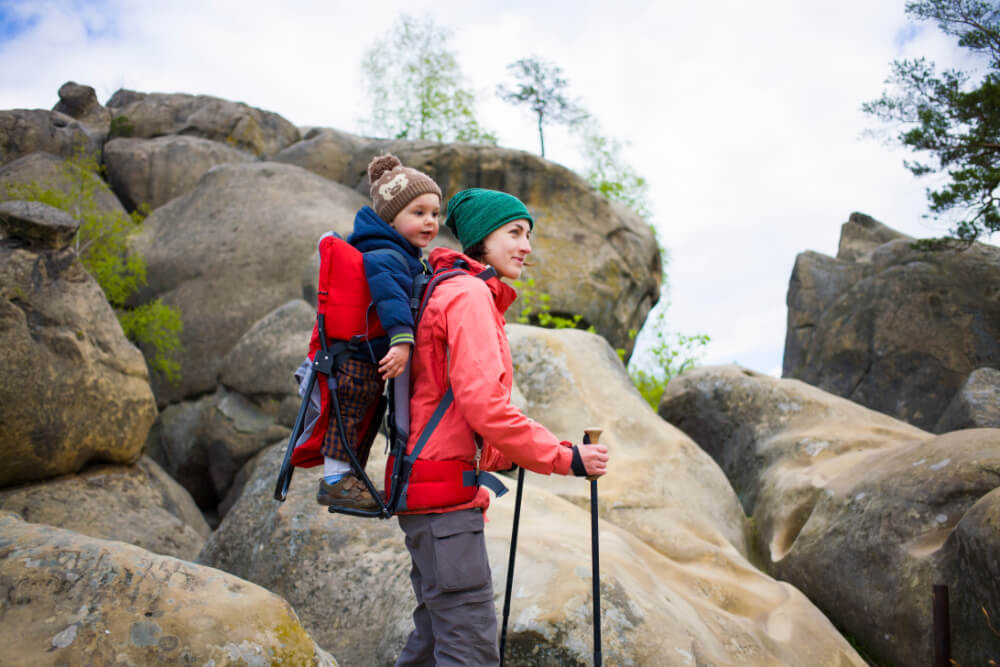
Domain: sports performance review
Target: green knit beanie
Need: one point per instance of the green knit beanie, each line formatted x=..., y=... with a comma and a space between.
x=474, y=213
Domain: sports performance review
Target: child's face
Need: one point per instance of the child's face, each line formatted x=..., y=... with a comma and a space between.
x=418, y=222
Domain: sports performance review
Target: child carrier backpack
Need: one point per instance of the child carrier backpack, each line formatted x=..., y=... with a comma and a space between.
x=345, y=321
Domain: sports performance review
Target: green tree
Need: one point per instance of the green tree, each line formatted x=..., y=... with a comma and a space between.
x=666, y=357
x=102, y=245
x=952, y=118
x=608, y=172
x=541, y=87
x=416, y=88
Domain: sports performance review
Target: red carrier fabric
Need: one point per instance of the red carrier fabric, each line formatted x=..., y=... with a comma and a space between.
x=432, y=484
x=343, y=298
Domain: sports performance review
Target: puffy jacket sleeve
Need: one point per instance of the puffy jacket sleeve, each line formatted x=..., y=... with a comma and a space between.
x=477, y=374
x=390, y=284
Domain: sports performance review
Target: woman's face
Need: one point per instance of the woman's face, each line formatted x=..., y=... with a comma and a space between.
x=506, y=248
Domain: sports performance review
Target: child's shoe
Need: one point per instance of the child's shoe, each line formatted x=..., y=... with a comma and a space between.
x=349, y=491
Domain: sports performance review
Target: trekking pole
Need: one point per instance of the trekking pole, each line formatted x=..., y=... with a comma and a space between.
x=591, y=437
x=510, y=560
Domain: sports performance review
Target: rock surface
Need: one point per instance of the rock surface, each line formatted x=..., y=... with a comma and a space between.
x=24, y=131
x=39, y=226
x=80, y=102
x=976, y=405
x=147, y=115
x=856, y=509
x=74, y=389
x=231, y=251
x=592, y=257
x=77, y=600
x=675, y=590
x=138, y=504
x=49, y=172
x=895, y=329
x=151, y=172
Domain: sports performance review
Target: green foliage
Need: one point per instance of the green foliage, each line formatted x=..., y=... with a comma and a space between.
x=609, y=173
x=955, y=124
x=121, y=126
x=541, y=86
x=535, y=309
x=102, y=245
x=665, y=358
x=416, y=87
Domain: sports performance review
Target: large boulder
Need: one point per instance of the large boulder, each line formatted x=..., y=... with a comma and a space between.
x=593, y=257
x=80, y=102
x=76, y=600
x=74, y=389
x=24, y=131
x=262, y=133
x=233, y=250
x=151, y=172
x=976, y=404
x=138, y=504
x=48, y=172
x=856, y=509
x=675, y=585
x=894, y=328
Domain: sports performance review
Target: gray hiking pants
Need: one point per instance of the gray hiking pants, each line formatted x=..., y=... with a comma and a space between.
x=455, y=622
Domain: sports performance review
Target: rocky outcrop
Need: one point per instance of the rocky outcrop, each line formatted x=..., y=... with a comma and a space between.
x=24, y=131
x=73, y=390
x=675, y=586
x=138, y=504
x=265, y=219
x=976, y=405
x=148, y=115
x=49, y=172
x=891, y=327
x=859, y=511
x=80, y=102
x=593, y=257
x=151, y=172
x=77, y=600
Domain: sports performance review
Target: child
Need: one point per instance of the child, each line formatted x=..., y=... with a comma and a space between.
x=406, y=205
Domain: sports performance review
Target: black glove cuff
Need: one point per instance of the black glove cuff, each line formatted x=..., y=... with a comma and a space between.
x=577, y=464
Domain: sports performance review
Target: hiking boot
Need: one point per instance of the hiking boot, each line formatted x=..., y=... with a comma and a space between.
x=348, y=492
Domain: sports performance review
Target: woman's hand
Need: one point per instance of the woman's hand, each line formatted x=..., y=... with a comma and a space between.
x=594, y=459
x=394, y=361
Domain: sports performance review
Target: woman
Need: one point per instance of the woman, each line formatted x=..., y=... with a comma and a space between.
x=461, y=344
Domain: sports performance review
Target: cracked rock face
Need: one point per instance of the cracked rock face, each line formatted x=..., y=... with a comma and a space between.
x=862, y=512
x=895, y=329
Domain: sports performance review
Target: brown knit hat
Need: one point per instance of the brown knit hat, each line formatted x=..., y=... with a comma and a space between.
x=394, y=186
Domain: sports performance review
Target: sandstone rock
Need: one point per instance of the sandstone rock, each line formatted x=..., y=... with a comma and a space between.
x=263, y=361
x=80, y=102
x=77, y=600
x=73, y=389
x=976, y=405
x=24, y=131
x=38, y=225
x=898, y=330
x=861, y=234
x=266, y=219
x=262, y=133
x=153, y=171
x=850, y=506
x=49, y=172
x=203, y=443
x=593, y=257
x=137, y=504
x=674, y=589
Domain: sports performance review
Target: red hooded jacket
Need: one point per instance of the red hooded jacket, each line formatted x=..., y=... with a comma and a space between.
x=461, y=341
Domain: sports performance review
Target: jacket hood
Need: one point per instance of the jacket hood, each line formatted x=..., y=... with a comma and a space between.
x=372, y=231
x=446, y=258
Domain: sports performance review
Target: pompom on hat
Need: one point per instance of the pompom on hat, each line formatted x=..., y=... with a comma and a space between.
x=393, y=186
x=474, y=213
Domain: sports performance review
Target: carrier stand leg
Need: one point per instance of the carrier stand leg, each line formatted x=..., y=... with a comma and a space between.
x=383, y=510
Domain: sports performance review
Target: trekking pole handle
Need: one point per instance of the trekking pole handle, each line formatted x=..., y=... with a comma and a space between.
x=591, y=436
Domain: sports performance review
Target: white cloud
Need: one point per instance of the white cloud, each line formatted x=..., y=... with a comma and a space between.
x=744, y=117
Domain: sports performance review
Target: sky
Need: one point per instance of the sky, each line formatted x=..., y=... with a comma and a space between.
x=744, y=117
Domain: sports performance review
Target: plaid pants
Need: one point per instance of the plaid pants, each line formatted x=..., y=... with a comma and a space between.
x=358, y=389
